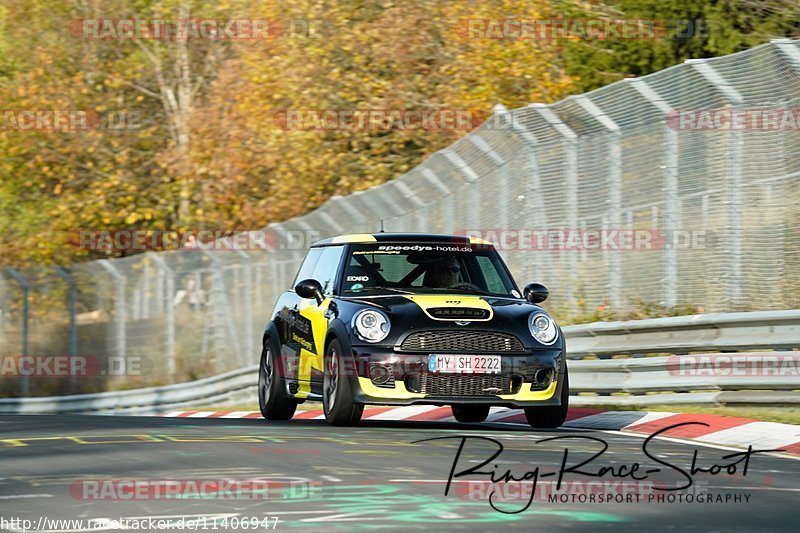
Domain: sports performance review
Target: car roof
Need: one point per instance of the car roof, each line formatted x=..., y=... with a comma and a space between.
x=364, y=238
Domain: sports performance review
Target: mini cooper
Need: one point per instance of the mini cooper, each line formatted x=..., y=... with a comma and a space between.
x=406, y=319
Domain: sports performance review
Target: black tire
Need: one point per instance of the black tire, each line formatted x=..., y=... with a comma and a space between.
x=470, y=413
x=337, y=393
x=551, y=416
x=273, y=398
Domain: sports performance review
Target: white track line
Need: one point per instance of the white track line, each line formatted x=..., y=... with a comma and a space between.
x=499, y=413
x=761, y=434
x=401, y=413
x=237, y=414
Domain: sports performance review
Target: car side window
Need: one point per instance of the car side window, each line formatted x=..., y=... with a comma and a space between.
x=493, y=280
x=327, y=267
x=309, y=264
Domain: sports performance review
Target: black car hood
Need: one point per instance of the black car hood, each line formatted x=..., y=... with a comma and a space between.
x=508, y=314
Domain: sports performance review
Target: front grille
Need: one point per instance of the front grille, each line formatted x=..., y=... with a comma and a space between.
x=467, y=384
x=461, y=342
x=458, y=313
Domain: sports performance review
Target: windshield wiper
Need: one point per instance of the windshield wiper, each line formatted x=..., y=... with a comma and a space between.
x=380, y=288
x=476, y=291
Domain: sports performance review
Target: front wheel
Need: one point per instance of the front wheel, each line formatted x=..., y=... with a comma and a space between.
x=470, y=413
x=551, y=416
x=273, y=400
x=337, y=394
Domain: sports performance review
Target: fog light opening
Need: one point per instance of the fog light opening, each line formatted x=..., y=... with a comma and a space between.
x=543, y=377
x=380, y=374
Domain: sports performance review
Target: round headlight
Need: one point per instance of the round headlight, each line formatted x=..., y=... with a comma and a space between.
x=371, y=325
x=543, y=328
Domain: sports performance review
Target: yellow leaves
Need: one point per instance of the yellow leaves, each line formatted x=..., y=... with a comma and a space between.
x=242, y=169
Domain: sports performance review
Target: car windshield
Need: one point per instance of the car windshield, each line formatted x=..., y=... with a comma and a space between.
x=397, y=268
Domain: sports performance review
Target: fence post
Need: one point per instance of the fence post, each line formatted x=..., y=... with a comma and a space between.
x=258, y=285
x=403, y=189
x=329, y=220
x=354, y=213
x=386, y=194
x=26, y=289
x=471, y=183
x=3, y=311
x=672, y=208
x=119, y=307
x=500, y=163
x=248, y=309
x=434, y=180
x=570, y=139
x=733, y=290
x=375, y=207
x=144, y=301
x=790, y=51
x=614, y=193
x=391, y=210
x=534, y=191
x=72, y=298
x=223, y=318
x=169, y=299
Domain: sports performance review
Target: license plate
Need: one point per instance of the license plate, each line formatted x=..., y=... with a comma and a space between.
x=464, y=364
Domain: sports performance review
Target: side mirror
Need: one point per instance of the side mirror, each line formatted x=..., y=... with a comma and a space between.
x=535, y=293
x=309, y=288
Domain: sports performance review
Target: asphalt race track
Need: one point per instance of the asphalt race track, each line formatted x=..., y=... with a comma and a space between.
x=313, y=476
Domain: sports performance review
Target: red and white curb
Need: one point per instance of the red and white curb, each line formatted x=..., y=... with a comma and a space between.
x=711, y=429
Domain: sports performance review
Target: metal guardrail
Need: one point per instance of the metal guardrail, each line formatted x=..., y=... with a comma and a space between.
x=717, y=378
x=727, y=371
x=772, y=330
x=152, y=400
x=753, y=378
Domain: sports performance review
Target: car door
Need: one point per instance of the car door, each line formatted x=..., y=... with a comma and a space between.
x=291, y=326
x=314, y=319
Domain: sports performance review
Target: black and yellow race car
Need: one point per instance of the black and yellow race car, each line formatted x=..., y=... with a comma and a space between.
x=402, y=319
